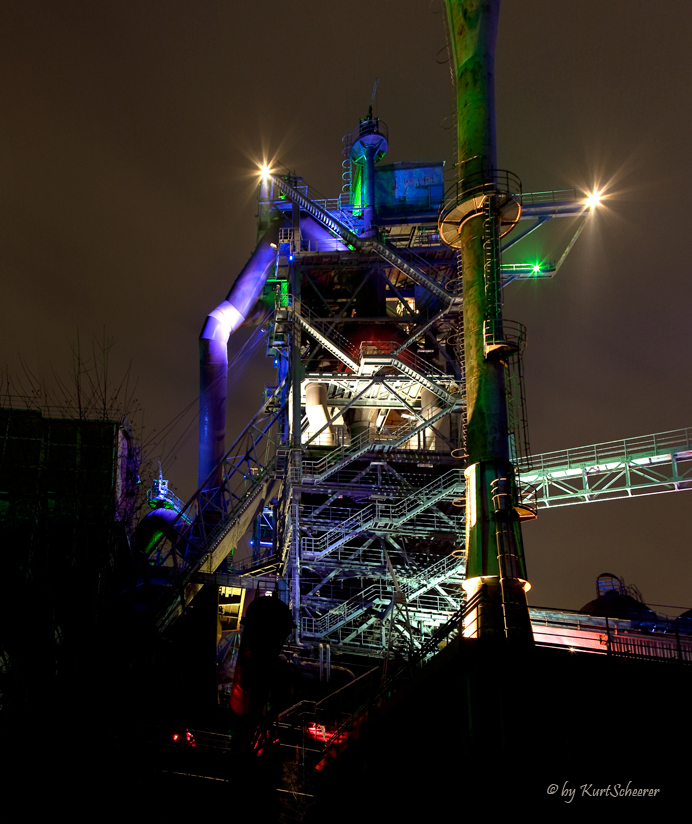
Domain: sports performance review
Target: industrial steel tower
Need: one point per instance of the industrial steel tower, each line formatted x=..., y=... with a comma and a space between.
x=389, y=461
x=389, y=419
x=366, y=528
x=351, y=470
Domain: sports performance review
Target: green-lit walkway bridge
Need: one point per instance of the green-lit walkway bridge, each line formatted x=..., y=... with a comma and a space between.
x=627, y=468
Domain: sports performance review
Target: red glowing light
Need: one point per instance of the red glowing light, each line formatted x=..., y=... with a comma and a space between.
x=320, y=732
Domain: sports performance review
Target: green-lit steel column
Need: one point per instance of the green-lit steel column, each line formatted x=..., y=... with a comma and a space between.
x=496, y=572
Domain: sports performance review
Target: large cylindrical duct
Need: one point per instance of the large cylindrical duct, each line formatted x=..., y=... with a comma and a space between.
x=430, y=406
x=360, y=421
x=213, y=350
x=318, y=413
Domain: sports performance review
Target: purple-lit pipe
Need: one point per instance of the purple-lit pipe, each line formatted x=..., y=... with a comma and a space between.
x=213, y=352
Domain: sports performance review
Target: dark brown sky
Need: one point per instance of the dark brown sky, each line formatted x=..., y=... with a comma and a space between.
x=128, y=137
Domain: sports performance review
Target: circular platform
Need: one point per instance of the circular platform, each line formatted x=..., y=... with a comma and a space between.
x=469, y=197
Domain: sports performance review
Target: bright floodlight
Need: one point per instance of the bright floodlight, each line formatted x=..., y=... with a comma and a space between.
x=265, y=172
x=593, y=199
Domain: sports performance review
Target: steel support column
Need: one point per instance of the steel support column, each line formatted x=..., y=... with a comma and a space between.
x=493, y=535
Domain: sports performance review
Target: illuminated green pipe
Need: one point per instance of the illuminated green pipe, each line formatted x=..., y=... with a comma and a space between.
x=472, y=26
x=495, y=566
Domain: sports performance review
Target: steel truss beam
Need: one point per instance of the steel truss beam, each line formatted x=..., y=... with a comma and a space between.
x=648, y=465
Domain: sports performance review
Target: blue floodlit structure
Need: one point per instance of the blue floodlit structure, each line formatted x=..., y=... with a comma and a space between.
x=350, y=477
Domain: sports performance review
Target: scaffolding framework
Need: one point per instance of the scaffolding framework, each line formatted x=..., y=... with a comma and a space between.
x=359, y=509
x=353, y=473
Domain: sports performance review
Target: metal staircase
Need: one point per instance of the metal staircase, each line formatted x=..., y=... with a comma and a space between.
x=364, y=361
x=209, y=521
x=320, y=470
x=334, y=343
x=354, y=241
x=381, y=594
x=382, y=516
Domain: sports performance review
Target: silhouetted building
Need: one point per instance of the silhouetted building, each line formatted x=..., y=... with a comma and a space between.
x=67, y=497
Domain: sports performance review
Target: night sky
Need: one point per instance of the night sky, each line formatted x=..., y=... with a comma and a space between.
x=130, y=134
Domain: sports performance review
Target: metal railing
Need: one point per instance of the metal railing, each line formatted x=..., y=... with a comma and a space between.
x=392, y=349
x=331, y=334
x=353, y=447
x=451, y=483
x=604, y=455
x=382, y=592
x=313, y=246
x=652, y=638
x=555, y=196
x=399, y=677
x=161, y=496
x=503, y=334
x=319, y=720
x=481, y=184
x=339, y=207
x=369, y=126
x=332, y=516
x=417, y=237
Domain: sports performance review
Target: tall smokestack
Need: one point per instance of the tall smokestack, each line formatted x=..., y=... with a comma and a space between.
x=483, y=203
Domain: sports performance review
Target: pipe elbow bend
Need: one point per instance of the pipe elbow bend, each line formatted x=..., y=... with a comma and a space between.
x=221, y=322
